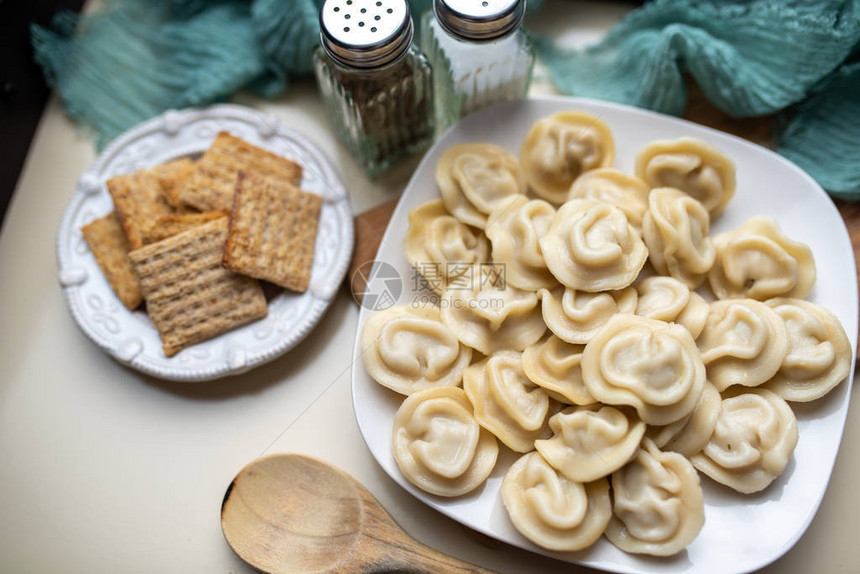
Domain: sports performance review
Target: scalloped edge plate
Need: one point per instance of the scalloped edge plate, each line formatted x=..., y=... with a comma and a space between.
x=129, y=336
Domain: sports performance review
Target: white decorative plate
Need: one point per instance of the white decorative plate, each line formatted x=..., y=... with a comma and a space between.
x=741, y=533
x=129, y=336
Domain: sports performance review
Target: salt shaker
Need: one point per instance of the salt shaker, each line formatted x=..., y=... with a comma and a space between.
x=376, y=85
x=478, y=52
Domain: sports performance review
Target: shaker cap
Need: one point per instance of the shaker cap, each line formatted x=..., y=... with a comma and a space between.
x=365, y=33
x=479, y=20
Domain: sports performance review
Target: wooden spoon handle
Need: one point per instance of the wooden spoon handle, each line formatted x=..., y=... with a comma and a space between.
x=387, y=547
x=417, y=558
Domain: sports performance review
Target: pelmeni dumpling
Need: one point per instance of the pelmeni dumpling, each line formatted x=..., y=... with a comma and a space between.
x=555, y=366
x=754, y=438
x=438, y=445
x=675, y=229
x=691, y=165
x=514, y=229
x=409, y=350
x=650, y=365
x=439, y=246
x=657, y=503
x=743, y=343
x=667, y=299
x=506, y=402
x=552, y=511
x=561, y=147
x=474, y=177
x=757, y=260
x=819, y=352
x=626, y=192
x=489, y=316
x=591, y=442
x=575, y=316
x=591, y=246
x=690, y=434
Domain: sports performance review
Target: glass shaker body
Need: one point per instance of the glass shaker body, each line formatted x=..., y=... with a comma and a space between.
x=379, y=99
x=469, y=74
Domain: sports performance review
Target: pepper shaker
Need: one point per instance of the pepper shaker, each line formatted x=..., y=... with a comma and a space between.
x=376, y=85
x=479, y=55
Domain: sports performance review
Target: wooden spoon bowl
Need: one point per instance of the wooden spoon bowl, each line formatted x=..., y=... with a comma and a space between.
x=293, y=514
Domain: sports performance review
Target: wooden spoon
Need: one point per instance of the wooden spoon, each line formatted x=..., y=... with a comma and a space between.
x=290, y=513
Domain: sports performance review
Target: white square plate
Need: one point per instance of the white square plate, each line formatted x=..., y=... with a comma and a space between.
x=741, y=533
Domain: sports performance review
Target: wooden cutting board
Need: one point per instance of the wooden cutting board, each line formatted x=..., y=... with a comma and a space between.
x=370, y=225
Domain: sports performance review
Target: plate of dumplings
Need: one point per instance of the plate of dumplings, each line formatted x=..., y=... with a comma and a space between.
x=623, y=340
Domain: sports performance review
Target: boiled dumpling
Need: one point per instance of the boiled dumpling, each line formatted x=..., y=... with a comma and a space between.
x=552, y=511
x=489, y=316
x=506, y=402
x=514, y=229
x=626, y=192
x=591, y=442
x=675, y=229
x=669, y=300
x=657, y=503
x=560, y=148
x=591, y=246
x=757, y=260
x=690, y=434
x=819, y=353
x=556, y=367
x=439, y=246
x=752, y=442
x=438, y=445
x=743, y=343
x=575, y=316
x=409, y=350
x=650, y=365
x=474, y=178
x=691, y=165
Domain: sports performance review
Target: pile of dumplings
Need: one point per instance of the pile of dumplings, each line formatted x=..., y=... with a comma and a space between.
x=596, y=357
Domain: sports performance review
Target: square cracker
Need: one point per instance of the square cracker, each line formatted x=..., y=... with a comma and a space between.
x=213, y=180
x=177, y=223
x=171, y=176
x=273, y=228
x=140, y=198
x=189, y=296
x=110, y=247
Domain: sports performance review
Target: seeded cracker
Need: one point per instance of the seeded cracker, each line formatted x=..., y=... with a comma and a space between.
x=176, y=223
x=140, y=198
x=213, y=180
x=273, y=227
x=110, y=247
x=189, y=296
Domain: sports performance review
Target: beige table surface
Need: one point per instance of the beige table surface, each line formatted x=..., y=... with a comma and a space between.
x=105, y=470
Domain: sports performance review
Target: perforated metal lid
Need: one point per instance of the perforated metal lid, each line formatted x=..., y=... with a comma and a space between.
x=480, y=20
x=365, y=33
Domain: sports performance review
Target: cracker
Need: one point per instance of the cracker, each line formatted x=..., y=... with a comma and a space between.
x=172, y=176
x=273, y=228
x=189, y=296
x=211, y=184
x=177, y=223
x=110, y=248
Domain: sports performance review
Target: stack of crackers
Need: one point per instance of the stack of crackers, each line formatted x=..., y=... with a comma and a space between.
x=191, y=239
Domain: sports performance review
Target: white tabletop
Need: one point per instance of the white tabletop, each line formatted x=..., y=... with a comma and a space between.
x=105, y=470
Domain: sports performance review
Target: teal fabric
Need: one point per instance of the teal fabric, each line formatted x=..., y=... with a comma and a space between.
x=823, y=134
x=749, y=58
